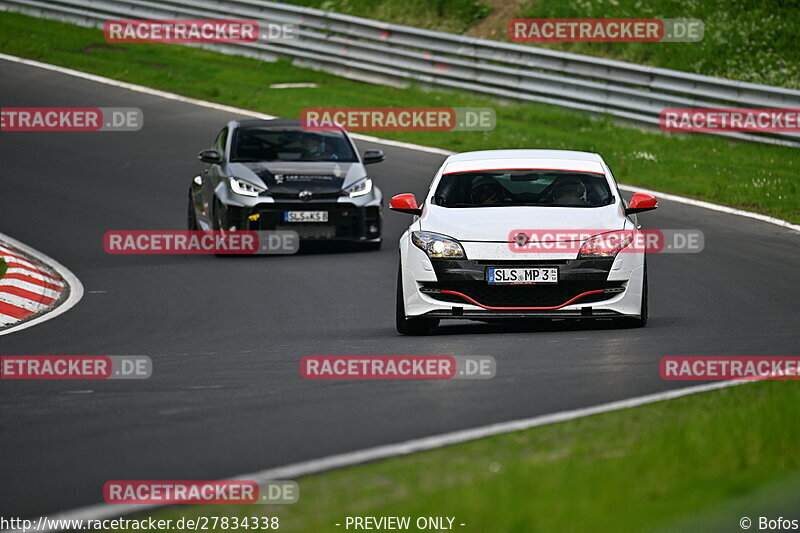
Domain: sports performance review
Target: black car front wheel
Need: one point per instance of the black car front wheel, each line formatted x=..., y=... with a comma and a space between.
x=191, y=217
x=217, y=216
x=372, y=245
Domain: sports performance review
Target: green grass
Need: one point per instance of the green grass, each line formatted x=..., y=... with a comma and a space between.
x=3, y=267
x=634, y=470
x=748, y=40
x=641, y=469
x=441, y=15
x=752, y=176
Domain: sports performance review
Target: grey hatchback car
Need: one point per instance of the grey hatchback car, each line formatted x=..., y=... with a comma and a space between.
x=276, y=175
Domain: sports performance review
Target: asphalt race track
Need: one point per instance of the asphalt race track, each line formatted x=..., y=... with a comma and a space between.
x=226, y=334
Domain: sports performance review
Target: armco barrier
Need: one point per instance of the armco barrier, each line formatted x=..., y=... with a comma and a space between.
x=390, y=53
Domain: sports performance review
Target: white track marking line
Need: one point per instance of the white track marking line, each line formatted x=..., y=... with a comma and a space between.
x=426, y=443
x=369, y=138
x=71, y=281
x=195, y=101
x=714, y=207
x=315, y=466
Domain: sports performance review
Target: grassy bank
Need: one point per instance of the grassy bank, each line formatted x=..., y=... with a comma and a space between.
x=442, y=15
x=748, y=40
x=752, y=176
x=656, y=467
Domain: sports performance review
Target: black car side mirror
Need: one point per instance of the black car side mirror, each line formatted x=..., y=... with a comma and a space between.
x=373, y=156
x=209, y=156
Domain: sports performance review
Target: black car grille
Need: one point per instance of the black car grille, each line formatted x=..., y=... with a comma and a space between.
x=345, y=221
x=295, y=196
x=521, y=295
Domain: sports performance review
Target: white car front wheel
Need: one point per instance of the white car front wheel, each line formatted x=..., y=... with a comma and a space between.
x=406, y=325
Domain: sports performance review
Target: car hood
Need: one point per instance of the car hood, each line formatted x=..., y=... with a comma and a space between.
x=498, y=224
x=291, y=177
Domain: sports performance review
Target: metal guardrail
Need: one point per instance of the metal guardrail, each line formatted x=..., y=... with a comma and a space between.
x=380, y=52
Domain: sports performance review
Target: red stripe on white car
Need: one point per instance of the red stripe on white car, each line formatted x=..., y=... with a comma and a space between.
x=493, y=308
x=27, y=287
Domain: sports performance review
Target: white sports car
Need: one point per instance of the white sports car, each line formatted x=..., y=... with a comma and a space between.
x=516, y=234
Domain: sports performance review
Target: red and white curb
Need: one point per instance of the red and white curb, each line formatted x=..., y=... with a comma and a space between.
x=34, y=288
x=26, y=289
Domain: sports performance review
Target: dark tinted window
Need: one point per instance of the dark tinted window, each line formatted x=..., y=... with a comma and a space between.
x=222, y=140
x=547, y=188
x=253, y=144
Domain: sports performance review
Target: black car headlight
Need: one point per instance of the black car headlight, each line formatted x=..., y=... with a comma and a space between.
x=438, y=246
x=245, y=188
x=359, y=188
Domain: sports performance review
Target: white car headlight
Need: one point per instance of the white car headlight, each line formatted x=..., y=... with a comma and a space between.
x=245, y=188
x=438, y=246
x=359, y=188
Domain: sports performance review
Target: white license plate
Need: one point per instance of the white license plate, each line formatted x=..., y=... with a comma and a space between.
x=521, y=276
x=306, y=216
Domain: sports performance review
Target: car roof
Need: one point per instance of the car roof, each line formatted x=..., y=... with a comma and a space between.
x=286, y=123
x=267, y=123
x=523, y=159
x=565, y=155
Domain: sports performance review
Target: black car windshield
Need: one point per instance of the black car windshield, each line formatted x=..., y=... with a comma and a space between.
x=269, y=144
x=523, y=187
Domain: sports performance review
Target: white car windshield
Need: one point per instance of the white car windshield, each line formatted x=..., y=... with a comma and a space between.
x=523, y=187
